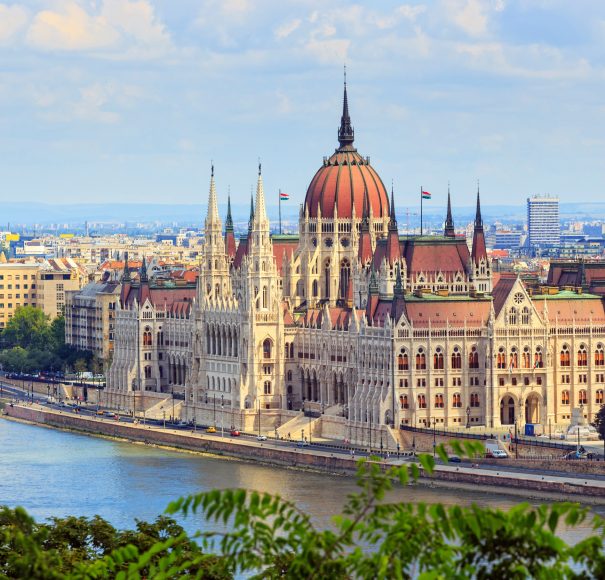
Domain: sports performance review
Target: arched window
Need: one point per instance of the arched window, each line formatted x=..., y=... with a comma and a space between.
x=475, y=400
x=439, y=401
x=289, y=375
x=599, y=397
x=328, y=278
x=538, y=362
x=315, y=288
x=438, y=359
x=420, y=360
x=564, y=397
x=473, y=358
x=512, y=316
x=525, y=316
x=147, y=372
x=265, y=302
x=147, y=341
x=456, y=401
x=267, y=387
x=582, y=356
x=513, y=362
x=402, y=361
x=403, y=400
x=526, y=358
x=421, y=401
x=456, y=358
x=599, y=359
x=267, y=348
x=564, y=358
x=345, y=276
x=501, y=358
x=582, y=397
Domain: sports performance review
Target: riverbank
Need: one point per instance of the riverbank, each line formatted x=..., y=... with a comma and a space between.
x=534, y=486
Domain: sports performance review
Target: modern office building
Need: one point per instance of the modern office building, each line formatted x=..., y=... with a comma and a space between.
x=543, y=225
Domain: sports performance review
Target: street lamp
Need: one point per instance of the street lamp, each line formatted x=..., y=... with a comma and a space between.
x=468, y=417
x=164, y=417
x=222, y=426
x=435, y=436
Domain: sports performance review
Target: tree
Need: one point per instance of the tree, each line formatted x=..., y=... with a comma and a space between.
x=29, y=327
x=599, y=422
x=80, y=366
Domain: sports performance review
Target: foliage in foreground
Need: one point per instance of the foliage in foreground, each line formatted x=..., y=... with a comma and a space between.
x=263, y=535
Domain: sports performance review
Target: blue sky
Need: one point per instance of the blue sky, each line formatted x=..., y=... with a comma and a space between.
x=130, y=100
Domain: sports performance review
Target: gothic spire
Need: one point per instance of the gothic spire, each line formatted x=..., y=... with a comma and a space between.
x=393, y=219
x=373, y=286
x=251, y=218
x=126, y=274
x=345, y=133
x=212, y=217
x=260, y=215
x=478, y=219
x=143, y=275
x=398, y=289
x=449, y=221
x=229, y=219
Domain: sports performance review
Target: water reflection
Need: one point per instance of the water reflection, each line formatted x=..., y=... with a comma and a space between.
x=54, y=473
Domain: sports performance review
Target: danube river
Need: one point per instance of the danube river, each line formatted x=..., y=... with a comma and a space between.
x=56, y=473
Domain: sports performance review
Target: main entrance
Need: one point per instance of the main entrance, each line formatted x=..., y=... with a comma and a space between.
x=507, y=410
x=532, y=409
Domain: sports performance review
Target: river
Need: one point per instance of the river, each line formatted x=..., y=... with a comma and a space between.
x=57, y=473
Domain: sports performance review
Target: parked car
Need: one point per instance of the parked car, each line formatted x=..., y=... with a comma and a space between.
x=499, y=454
x=235, y=433
x=261, y=438
x=454, y=459
x=100, y=412
x=211, y=430
x=302, y=443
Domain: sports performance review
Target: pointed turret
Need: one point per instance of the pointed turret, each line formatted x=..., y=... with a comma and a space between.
x=479, y=252
x=398, y=305
x=212, y=216
x=393, y=252
x=126, y=282
x=365, y=242
x=449, y=220
x=346, y=135
x=251, y=218
x=126, y=273
x=144, y=292
x=143, y=274
x=373, y=297
x=230, y=247
x=260, y=213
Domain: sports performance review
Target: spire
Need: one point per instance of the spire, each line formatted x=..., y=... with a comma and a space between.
x=143, y=276
x=393, y=219
x=373, y=288
x=251, y=218
x=212, y=216
x=478, y=219
x=345, y=133
x=449, y=221
x=126, y=274
x=398, y=289
x=229, y=219
x=260, y=215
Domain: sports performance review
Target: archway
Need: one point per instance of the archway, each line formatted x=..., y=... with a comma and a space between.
x=532, y=409
x=507, y=410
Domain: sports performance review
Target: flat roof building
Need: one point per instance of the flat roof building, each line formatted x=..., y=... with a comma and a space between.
x=543, y=225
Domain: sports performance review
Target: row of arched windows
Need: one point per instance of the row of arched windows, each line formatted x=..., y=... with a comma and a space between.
x=582, y=397
x=221, y=340
x=440, y=401
x=403, y=361
x=514, y=316
x=528, y=359
x=582, y=356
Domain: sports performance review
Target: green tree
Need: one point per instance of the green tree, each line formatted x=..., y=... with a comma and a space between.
x=80, y=366
x=599, y=422
x=15, y=359
x=29, y=327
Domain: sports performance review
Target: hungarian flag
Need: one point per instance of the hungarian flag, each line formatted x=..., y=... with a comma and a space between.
x=426, y=195
x=283, y=196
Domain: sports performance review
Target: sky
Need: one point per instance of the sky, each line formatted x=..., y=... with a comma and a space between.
x=132, y=100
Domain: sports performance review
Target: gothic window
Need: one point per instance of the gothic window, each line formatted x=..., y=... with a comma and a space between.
x=327, y=278
x=564, y=397
x=525, y=315
x=267, y=387
x=564, y=358
x=264, y=297
x=538, y=362
x=267, y=348
x=473, y=358
x=599, y=397
x=420, y=360
x=501, y=358
x=456, y=358
x=402, y=361
x=526, y=358
x=345, y=275
x=147, y=372
x=599, y=360
x=513, y=362
x=315, y=288
x=147, y=337
x=403, y=400
x=421, y=401
x=289, y=375
x=257, y=297
x=582, y=397
x=475, y=400
x=512, y=316
x=582, y=356
x=439, y=401
x=456, y=401
x=438, y=359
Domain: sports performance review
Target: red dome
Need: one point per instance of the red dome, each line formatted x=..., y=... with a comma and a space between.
x=345, y=180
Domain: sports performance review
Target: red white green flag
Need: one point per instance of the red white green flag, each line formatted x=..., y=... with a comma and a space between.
x=426, y=195
x=283, y=196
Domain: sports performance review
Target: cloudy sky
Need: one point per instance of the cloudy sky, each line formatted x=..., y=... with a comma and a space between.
x=130, y=100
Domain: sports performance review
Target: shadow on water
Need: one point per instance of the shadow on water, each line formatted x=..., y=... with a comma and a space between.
x=56, y=473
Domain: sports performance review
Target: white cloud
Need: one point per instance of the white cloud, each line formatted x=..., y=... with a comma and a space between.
x=468, y=15
x=13, y=20
x=287, y=28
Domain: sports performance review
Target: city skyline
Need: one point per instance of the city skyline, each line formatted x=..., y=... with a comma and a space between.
x=124, y=101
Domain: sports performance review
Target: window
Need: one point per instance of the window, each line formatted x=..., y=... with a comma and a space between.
x=514, y=381
x=582, y=397
x=564, y=358
x=501, y=381
x=475, y=400
x=512, y=316
x=526, y=358
x=473, y=358
x=439, y=401
x=439, y=382
x=456, y=358
x=583, y=378
x=564, y=397
x=456, y=382
x=421, y=382
x=403, y=400
x=501, y=358
x=267, y=348
x=147, y=372
x=599, y=397
x=402, y=361
x=599, y=360
x=526, y=381
x=438, y=359
x=600, y=378
x=538, y=363
x=565, y=379
x=289, y=375
x=525, y=315
x=513, y=361
x=582, y=356
x=420, y=360
x=267, y=387
x=456, y=401
x=147, y=337
x=421, y=401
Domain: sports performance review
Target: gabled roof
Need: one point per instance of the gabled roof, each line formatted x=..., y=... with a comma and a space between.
x=502, y=290
x=435, y=254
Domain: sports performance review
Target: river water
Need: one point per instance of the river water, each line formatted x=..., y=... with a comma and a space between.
x=57, y=473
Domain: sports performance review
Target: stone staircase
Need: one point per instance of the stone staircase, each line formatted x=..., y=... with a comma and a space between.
x=297, y=425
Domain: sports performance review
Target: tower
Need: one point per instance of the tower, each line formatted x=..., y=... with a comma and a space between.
x=481, y=274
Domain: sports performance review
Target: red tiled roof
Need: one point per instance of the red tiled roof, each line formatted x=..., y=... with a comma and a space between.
x=566, y=311
x=282, y=247
x=454, y=312
x=448, y=258
x=502, y=290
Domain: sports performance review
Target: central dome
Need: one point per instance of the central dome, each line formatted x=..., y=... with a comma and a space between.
x=346, y=180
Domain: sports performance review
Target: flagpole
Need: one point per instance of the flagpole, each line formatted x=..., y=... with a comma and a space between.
x=280, y=212
x=421, y=210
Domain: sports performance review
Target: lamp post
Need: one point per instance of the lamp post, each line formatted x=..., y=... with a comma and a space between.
x=214, y=410
x=516, y=441
x=164, y=417
x=259, y=417
x=580, y=423
x=434, y=436
x=468, y=417
x=222, y=426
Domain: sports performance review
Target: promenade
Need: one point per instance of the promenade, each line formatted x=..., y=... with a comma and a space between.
x=585, y=488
